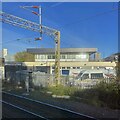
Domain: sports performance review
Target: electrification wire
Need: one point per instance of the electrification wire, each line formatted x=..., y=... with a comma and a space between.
x=8, y=41
x=19, y=39
x=19, y=47
x=90, y=17
x=55, y=5
x=114, y=5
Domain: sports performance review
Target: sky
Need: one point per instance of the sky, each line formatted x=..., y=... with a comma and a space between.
x=82, y=25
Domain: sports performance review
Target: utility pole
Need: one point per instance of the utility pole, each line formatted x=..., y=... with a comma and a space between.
x=57, y=58
x=40, y=21
x=16, y=21
x=57, y=43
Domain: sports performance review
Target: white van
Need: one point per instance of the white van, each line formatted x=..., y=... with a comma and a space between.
x=88, y=78
x=91, y=74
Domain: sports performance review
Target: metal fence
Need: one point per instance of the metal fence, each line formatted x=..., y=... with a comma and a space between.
x=40, y=79
x=19, y=74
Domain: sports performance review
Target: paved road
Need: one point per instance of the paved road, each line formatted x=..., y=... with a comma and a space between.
x=40, y=109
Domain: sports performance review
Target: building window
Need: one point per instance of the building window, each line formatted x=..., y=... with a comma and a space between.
x=62, y=57
x=78, y=67
x=77, y=56
x=53, y=67
x=38, y=56
x=35, y=56
x=63, y=67
x=74, y=67
x=73, y=56
x=81, y=56
x=42, y=57
x=70, y=56
x=68, y=67
x=51, y=56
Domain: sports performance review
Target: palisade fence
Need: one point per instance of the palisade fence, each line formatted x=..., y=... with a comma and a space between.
x=40, y=79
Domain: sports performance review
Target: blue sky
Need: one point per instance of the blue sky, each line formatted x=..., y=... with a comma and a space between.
x=83, y=25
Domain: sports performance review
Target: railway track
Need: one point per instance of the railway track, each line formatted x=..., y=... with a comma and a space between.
x=13, y=111
x=41, y=109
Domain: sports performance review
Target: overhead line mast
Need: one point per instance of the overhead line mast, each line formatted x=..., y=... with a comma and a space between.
x=23, y=23
x=39, y=14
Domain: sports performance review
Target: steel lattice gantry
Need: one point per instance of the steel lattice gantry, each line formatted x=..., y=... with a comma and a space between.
x=23, y=23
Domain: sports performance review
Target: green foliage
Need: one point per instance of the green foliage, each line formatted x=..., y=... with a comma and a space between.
x=109, y=94
x=24, y=57
x=62, y=90
x=103, y=94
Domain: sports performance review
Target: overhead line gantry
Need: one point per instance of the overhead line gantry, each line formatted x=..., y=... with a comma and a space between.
x=23, y=23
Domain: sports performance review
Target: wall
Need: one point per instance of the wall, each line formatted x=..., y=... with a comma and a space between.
x=2, y=73
x=71, y=64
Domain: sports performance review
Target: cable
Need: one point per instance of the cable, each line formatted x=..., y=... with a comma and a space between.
x=56, y=4
x=8, y=41
x=90, y=17
x=19, y=39
x=114, y=5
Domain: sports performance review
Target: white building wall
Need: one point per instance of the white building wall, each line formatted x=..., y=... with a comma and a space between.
x=4, y=53
x=2, y=73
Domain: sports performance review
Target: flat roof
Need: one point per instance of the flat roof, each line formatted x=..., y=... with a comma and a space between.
x=62, y=50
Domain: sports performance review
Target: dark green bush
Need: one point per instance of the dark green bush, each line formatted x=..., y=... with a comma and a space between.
x=104, y=94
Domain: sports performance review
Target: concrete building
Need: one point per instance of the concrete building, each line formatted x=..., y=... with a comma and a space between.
x=2, y=72
x=67, y=54
x=72, y=60
x=4, y=53
x=7, y=57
